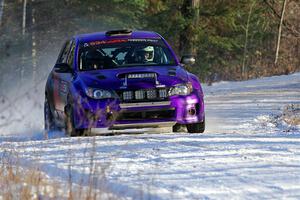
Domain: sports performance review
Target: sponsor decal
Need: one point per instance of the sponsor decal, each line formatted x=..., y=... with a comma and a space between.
x=142, y=40
x=144, y=75
x=63, y=87
x=95, y=43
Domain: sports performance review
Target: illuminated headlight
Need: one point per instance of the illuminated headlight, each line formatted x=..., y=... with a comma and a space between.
x=98, y=93
x=182, y=89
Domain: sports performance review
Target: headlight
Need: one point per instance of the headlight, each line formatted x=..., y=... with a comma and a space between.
x=182, y=89
x=98, y=93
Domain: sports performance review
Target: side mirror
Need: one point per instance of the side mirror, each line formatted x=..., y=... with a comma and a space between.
x=188, y=60
x=63, y=68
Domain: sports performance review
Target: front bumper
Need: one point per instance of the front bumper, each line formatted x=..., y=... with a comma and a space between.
x=111, y=113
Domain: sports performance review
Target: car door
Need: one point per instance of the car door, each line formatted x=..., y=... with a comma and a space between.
x=62, y=80
x=67, y=78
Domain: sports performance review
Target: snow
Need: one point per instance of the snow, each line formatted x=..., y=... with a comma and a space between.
x=249, y=150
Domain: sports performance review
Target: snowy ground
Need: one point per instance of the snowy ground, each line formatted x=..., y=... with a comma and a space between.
x=248, y=151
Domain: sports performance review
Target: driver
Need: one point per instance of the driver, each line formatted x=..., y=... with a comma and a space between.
x=94, y=59
x=145, y=54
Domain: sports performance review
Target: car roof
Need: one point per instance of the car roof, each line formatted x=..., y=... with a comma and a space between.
x=104, y=36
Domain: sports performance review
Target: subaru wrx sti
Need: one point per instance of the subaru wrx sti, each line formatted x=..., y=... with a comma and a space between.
x=122, y=79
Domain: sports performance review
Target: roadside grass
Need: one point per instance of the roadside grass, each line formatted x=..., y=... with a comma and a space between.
x=18, y=183
x=30, y=182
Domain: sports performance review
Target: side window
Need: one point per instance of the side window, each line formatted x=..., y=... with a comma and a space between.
x=70, y=60
x=64, y=53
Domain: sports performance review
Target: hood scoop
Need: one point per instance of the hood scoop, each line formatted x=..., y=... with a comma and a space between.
x=136, y=75
x=141, y=75
x=172, y=73
x=101, y=77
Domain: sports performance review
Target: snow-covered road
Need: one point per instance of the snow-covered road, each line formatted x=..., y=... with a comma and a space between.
x=247, y=152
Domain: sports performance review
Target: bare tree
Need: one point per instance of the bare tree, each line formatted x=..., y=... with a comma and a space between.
x=24, y=17
x=246, y=39
x=292, y=30
x=1, y=10
x=279, y=31
x=33, y=39
x=23, y=34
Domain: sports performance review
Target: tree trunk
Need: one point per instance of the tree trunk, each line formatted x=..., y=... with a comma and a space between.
x=244, y=73
x=23, y=58
x=190, y=12
x=1, y=10
x=24, y=17
x=33, y=43
x=279, y=31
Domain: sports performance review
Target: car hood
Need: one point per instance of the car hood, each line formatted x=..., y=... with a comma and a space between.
x=115, y=78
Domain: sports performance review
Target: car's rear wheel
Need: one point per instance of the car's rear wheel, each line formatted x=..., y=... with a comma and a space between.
x=70, y=126
x=196, y=127
x=49, y=123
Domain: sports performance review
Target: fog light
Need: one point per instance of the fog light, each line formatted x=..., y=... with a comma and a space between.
x=192, y=111
x=139, y=94
x=151, y=94
x=127, y=95
x=163, y=93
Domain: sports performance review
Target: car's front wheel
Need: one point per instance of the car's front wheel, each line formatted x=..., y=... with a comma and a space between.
x=178, y=128
x=196, y=127
x=70, y=126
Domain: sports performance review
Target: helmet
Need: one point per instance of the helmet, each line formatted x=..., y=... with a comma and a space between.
x=145, y=54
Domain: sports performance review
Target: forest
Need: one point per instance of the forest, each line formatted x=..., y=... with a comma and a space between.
x=251, y=143
x=231, y=39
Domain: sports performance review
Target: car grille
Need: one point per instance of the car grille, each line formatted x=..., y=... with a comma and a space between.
x=155, y=94
x=150, y=114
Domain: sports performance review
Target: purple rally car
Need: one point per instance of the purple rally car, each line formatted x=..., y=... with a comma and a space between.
x=122, y=79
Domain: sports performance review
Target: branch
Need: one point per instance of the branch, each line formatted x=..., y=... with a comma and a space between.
x=287, y=25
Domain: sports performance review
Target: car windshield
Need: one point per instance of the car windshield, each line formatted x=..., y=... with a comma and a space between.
x=117, y=53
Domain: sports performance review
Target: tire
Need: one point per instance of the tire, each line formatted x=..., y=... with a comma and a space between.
x=196, y=127
x=70, y=129
x=178, y=128
x=49, y=123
